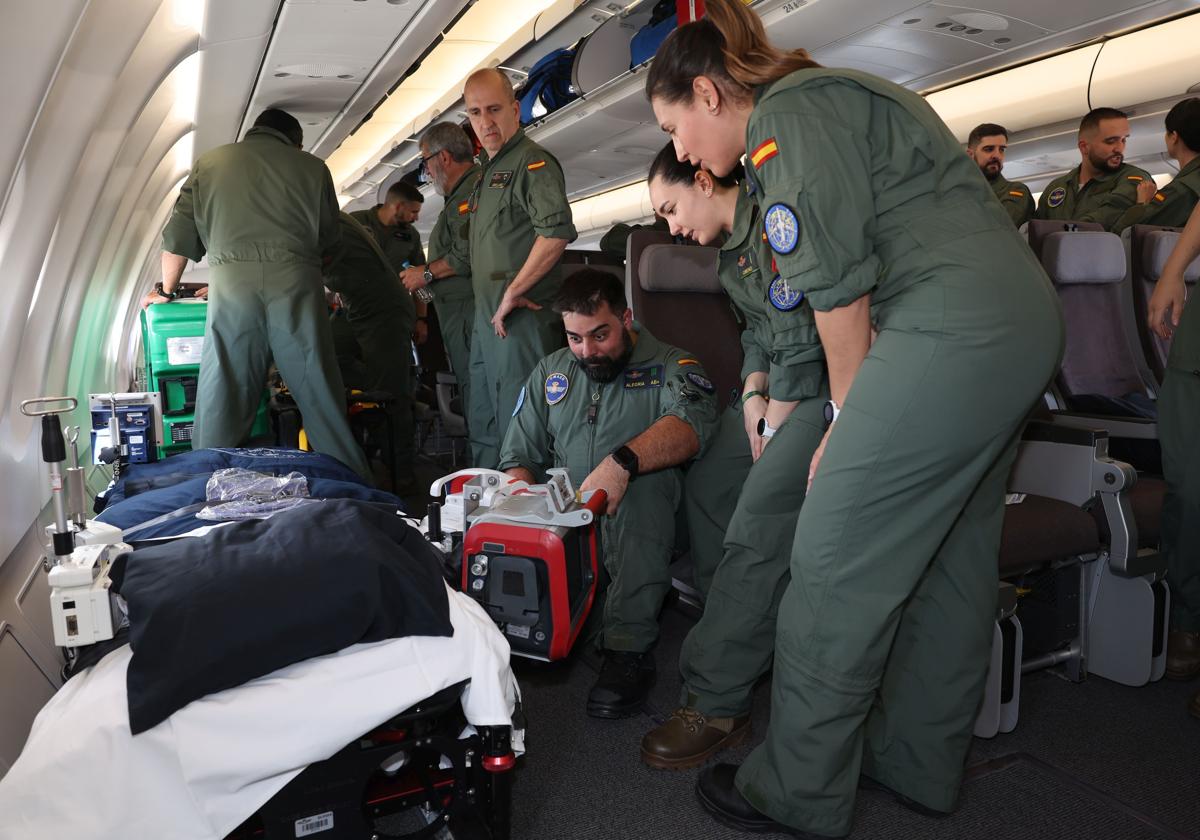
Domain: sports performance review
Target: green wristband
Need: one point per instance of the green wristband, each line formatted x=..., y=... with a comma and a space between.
x=746, y=396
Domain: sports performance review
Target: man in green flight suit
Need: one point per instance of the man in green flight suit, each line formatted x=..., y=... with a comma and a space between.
x=380, y=316
x=391, y=226
x=1172, y=205
x=265, y=298
x=448, y=157
x=520, y=225
x=986, y=145
x=1103, y=186
x=622, y=414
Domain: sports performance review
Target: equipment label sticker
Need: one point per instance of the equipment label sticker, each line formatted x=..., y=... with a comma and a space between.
x=314, y=825
x=557, y=385
x=519, y=631
x=1057, y=196
x=185, y=351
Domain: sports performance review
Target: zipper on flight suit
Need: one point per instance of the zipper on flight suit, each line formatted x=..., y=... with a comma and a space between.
x=593, y=410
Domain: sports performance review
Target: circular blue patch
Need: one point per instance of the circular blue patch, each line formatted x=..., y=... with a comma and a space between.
x=1057, y=196
x=783, y=296
x=700, y=382
x=556, y=388
x=782, y=227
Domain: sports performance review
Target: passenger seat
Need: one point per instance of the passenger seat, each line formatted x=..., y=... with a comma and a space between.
x=1150, y=246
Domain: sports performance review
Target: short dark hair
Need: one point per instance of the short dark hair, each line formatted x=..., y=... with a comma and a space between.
x=1091, y=120
x=583, y=291
x=283, y=122
x=1184, y=119
x=403, y=191
x=985, y=130
x=670, y=170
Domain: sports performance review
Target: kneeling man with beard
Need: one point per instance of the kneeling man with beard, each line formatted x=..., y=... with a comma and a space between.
x=623, y=412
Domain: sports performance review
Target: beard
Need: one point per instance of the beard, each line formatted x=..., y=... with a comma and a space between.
x=992, y=169
x=1105, y=164
x=604, y=368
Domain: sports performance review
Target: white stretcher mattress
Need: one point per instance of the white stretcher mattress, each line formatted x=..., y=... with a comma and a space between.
x=212, y=764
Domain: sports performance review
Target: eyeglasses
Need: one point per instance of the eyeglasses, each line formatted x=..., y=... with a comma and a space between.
x=423, y=167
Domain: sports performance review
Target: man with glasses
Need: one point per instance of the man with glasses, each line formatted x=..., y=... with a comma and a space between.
x=447, y=158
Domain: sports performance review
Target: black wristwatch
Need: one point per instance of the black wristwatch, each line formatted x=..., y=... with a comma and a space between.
x=832, y=410
x=428, y=275
x=159, y=290
x=627, y=460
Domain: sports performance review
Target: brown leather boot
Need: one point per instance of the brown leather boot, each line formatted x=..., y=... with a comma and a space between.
x=1183, y=655
x=689, y=738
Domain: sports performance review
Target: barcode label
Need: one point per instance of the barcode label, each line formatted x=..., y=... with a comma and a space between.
x=314, y=825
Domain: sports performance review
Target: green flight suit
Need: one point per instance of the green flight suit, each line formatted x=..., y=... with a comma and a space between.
x=1015, y=198
x=1103, y=199
x=453, y=295
x=1171, y=205
x=380, y=314
x=1179, y=434
x=884, y=632
x=265, y=213
x=741, y=513
x=520, y=195
x=551, y=428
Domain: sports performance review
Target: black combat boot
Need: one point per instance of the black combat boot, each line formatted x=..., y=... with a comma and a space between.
x=624, y=681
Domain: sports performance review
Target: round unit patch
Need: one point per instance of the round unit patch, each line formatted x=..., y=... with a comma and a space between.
x=556, y=388
x=782, y=227
x=1057, y=196
x=783, y=296
x=700, y=382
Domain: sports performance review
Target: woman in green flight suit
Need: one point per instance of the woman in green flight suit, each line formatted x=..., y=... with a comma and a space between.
x=873, y=213
x=742, y=497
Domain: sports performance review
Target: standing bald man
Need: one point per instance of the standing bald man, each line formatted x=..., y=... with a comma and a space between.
x=519, y=227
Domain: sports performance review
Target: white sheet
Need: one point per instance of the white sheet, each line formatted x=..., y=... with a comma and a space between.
x=212, y=764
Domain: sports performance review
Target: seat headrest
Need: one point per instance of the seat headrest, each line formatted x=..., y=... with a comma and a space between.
x=1084, y=257
x=1156, y=250
x=679, y=268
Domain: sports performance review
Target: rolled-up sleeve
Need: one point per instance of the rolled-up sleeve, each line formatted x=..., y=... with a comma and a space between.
x=689, y=394
x=181, y=236
x=543, y=194
x=820, y=178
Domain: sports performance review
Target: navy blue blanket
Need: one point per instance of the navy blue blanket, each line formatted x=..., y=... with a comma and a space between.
x=140, y=478
x=251, y=597
x=189, y=491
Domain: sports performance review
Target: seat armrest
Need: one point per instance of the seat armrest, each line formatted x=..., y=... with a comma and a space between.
x=1079, y=473
x=1136, y=428
x=1048, y=432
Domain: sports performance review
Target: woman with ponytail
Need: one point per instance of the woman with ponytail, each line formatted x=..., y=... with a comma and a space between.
x=741, y=496
x=875, y=215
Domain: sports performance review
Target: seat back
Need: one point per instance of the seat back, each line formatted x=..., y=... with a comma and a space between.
x=674, y=291
x=1088, y=271
x=1038, y=229
x=1150, y=247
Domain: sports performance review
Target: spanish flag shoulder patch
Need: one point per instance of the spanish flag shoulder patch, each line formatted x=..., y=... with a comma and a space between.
x=1017, y=193
x=1160, y=197
x=682, y=362
x=464, y=208
x=537, y=164
x=1135, y=178
x=764, y=152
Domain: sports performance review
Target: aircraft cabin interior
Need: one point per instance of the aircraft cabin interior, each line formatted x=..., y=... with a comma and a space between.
x=458, y=722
